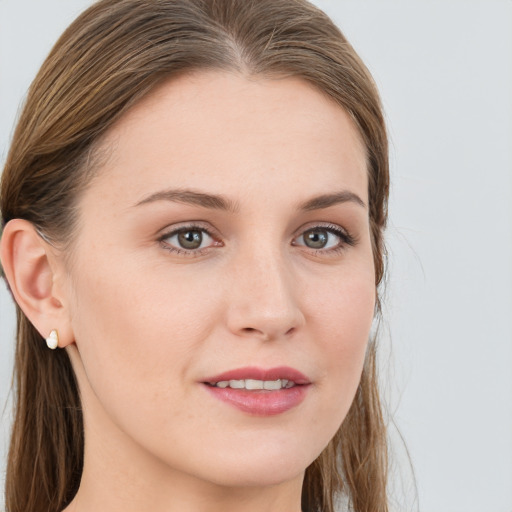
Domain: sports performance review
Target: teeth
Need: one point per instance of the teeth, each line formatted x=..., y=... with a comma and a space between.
x=253, y=384
x=272, y=384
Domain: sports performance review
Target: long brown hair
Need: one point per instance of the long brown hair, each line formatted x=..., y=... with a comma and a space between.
x=108, y=59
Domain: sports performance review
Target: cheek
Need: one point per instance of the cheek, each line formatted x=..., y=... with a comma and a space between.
x=138, y=335
x=345, y=306
x=344, y=319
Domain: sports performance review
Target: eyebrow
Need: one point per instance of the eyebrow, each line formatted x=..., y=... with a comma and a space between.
x=326, y=200
x=220, y=202
x=187, y=196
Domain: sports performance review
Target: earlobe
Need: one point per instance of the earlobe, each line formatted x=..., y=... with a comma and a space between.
x=30, y=271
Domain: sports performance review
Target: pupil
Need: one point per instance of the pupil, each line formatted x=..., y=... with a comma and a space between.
x=190, y=239
x=316, y=239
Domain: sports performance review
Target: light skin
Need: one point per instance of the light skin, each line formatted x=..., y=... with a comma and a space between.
x=144, y=326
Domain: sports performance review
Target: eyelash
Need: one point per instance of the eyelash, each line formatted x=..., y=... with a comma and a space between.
x=346, y=239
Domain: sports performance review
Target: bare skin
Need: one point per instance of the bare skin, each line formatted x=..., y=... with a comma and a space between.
x=145, y=325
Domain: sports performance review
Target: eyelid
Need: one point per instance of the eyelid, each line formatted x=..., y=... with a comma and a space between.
x=183, y=226
x=191, y=226
x=346, y=239
x=328, y=226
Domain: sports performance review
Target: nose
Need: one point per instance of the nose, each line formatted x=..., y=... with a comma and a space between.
x=264, y=298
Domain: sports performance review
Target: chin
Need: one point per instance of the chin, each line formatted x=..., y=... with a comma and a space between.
x=250, y=475
x=260, y=466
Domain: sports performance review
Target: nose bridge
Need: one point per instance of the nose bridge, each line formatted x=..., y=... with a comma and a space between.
x=264, y=299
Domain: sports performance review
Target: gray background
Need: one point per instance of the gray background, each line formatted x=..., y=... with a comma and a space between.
x=444, y=69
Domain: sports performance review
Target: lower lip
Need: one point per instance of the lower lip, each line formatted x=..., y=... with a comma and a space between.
x=261, y=402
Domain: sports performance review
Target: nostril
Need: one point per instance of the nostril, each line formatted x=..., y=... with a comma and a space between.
x=266, y=336
x=260, y=333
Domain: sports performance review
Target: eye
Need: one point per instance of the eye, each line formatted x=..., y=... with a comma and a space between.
x=325, y=239
x=189, y=240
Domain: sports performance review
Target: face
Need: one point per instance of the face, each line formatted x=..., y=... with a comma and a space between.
x=225, y=241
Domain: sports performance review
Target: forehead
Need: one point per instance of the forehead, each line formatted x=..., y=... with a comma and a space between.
x=234, y=134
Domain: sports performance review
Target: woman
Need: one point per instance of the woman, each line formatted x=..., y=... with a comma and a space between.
x=193, y=209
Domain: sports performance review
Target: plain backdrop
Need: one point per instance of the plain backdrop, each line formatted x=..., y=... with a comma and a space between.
x=444, y=69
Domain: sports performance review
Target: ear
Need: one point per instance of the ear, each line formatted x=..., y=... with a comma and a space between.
x=35, y=276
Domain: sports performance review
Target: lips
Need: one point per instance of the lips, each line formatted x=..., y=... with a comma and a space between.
x=257, y=391
x=254, y=373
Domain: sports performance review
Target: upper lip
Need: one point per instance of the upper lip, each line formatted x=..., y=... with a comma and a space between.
x=253, y=372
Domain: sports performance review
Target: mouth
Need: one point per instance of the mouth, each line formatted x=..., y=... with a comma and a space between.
x=253, y=384
x=260, y=392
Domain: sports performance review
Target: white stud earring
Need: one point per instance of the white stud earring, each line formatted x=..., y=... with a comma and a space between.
x=53, y=339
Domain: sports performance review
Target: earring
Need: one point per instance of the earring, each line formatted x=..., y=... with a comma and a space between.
x=53, y=339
